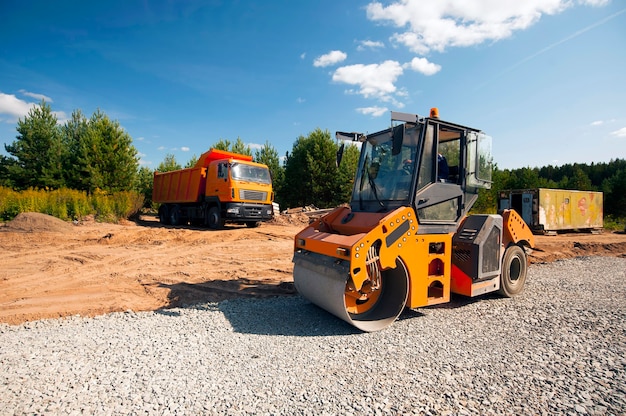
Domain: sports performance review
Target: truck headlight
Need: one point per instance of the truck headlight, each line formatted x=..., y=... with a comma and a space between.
x=234, y=210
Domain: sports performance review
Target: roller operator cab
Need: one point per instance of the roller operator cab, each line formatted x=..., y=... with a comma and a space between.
x=406, y=239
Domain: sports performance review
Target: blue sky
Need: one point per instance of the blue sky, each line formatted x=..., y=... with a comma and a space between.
x=545, y=78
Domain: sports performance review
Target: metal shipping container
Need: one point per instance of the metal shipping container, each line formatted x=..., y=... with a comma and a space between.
x=547, y=211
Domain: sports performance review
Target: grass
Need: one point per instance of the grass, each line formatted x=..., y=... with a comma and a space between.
x=69, y=204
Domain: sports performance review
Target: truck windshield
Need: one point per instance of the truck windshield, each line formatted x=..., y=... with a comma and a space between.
x=250, y=173
x=383, y=179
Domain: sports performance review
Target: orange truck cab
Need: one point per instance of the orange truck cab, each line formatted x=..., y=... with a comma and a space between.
x=221, y=187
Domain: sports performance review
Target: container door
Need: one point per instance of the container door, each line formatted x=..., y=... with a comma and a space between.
x=527, y=207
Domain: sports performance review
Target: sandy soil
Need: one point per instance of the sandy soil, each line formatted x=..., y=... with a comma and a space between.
x=50, y=268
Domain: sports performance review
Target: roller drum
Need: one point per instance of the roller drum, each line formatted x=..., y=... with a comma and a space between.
x=322, y=280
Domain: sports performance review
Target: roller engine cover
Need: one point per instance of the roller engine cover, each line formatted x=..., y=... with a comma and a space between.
x=476, y=247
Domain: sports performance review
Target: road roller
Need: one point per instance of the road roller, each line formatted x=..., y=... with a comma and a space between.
x=406, y=239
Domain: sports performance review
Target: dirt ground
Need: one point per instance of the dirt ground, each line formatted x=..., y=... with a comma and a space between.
x=50, y=268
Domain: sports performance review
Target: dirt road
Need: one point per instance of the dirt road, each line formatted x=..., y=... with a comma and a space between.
x=51, y=269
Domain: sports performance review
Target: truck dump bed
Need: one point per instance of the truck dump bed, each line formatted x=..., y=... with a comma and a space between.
x=179, y=186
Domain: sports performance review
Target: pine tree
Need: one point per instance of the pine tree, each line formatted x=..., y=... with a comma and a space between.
x=37, y=151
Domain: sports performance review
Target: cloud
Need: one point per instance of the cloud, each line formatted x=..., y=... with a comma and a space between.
x=619, y=133
x=14, y=107
x=374, y=111
x=597, y=123
x=373, y=80
x=462, y=23
x=36, y=96
x=423, y=65
x=331, y=58
x=184, y=149
x=369, y=44
x=254, y=146
x=300, y=100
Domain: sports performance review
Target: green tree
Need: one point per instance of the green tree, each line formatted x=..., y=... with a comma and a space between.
x=238, y=147
x=577, y=181
x=37, y=151
x=222, y=144
x=75, y=162
x=144, y=184
x=191, y=162
x=108, y=156
x=5, y=178
x=614, y=190
x=168, y=164
x=311, y=174
x=241, y=148
x=345, y=176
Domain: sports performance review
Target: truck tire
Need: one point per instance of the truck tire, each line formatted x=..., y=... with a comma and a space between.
x=214, y=219
x=514, y=270
x=164, y=215
x=175, y=215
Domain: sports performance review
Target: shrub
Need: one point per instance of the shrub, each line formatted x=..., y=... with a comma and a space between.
x=69, y=204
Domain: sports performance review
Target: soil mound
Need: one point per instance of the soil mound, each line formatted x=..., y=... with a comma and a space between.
x=30, y=222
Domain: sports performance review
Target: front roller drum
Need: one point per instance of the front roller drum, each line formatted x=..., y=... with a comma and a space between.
x=323, y=280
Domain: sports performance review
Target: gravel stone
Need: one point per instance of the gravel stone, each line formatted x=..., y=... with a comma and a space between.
x=559, y=348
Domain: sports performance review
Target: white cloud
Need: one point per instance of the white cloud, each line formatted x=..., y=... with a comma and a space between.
x=14, y=107
x=161, y=148
x=597, y=123
x=423, y=65
x=36, y=96
x=443, y=24
x=374, y=80
x=331, y=58
x=184, y=149
x=254, y=146
x=300, y=100
x=374, y=111
x=369, y=44
x=619, y=133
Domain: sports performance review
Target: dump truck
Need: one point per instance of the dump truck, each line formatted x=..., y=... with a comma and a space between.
x=221, y=187
x=549, y=211
x=406, y=239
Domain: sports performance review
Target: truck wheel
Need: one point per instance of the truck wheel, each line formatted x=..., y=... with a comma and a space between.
x=514, y=269
x=253, y=224
x=175, y=215
x=164, y=215
x=215, y=220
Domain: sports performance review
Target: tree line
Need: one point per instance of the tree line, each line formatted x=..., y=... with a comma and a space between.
x=606, y=177
x=96, y=154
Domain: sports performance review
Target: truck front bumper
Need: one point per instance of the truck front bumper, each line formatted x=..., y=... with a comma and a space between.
x=244, y=211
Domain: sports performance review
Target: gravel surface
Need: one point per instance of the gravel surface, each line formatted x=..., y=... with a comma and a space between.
x=559, y=348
